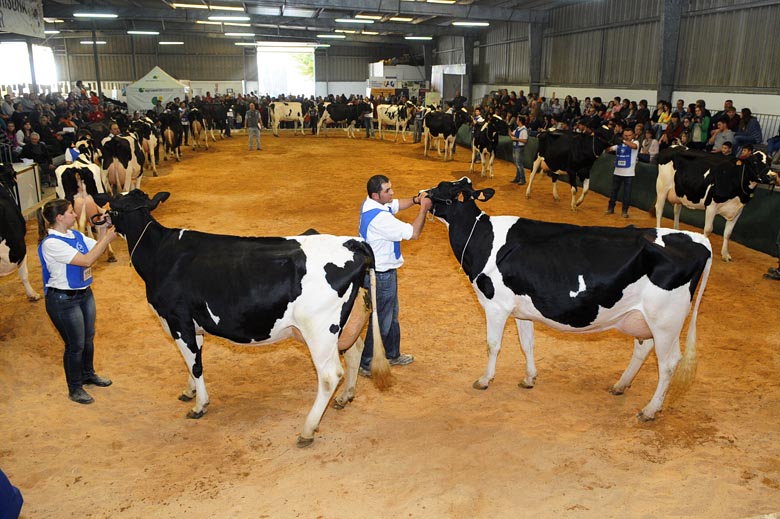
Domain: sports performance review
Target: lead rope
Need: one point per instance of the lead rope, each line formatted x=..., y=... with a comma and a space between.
x=463, y=254
x=139, y=241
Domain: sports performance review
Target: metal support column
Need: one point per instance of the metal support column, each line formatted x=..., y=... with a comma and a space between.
x=670, y=35
x=97, y=63
x=468, y=58
x=428, y=61
x=535, y=32
x=34, y=87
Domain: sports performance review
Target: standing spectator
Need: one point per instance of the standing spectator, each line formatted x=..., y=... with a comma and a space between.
x=700, y=128
x=749, y=131
x=418, y=123
x=643, y=113
x=184, y=117
x=720, y=135
x=519, y=139
x=314, y=117
x=384, y=232
x=732, y=119
x=66, y=259
x=648, y=150
x=625, y=165
x=252, y=124
x=368, y=119
x=680, y=109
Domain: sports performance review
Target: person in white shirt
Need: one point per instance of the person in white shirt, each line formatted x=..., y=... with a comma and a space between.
x=519, y=139
x=384, y=233
x=625, y=165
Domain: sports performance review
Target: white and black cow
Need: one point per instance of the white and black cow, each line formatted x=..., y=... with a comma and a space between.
x=146, y=132
x=710, y=181
x=335, y=113
x=572, y=154
x=171, y=130
x=215, y=118
x=256, y=291
x=122, y=162
x=485, y=142
x=13, y=249
x=442, y=124
x=579, y=279
x=394, y=115
x=282, y=111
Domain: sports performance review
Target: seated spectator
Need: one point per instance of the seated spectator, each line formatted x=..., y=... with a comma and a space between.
x=639, y=131
x=726, y=149
x=663, y=117
x=39, y=153
x=630, y=115
x=624, y=109
x=700, y=127
x=48, y=136
x=23, y=134
x=720, y=135
x=685, y=137
x=643, y=113
x=681, y=109
x=18, y=117
x=749, y=131
x=773, y=144
x=732, y=119
x=10, y=137
x=671, y=133
x=728, y=103
x=648, y=148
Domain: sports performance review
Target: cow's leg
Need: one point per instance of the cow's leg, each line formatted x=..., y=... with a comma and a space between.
x=191, y=347
x=496, y=318
x=525, y=329
x=325, y=355
x=352, y=358
x=667, y=351
x=573, y=187
x=585, y=188
x=473, y=157
x=641, y=351
x=491, y=157
x=537, y=167
x=677, y=211
x=24, y=276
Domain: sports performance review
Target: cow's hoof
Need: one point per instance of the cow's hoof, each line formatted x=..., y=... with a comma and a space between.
x=304, y=442
x=642, y=417
x=726, y=259
x=479, y=385
x=111, y=258
x=193, y=415
x=614, y=390
x=33, y=298
x=525, y=385
x=184, y=397
x=341, y=403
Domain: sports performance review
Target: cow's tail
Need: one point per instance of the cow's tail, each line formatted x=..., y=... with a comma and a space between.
x=380, y=367
x=686, y=368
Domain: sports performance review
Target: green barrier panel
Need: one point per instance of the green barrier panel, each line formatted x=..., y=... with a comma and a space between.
x=758, y=226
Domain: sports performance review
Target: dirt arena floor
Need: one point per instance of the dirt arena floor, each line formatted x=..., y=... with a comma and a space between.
x=431, y=447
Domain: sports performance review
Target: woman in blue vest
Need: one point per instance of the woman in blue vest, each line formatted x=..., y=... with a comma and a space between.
x=66, y=258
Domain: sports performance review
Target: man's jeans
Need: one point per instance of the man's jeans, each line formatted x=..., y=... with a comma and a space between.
x=74, y=318
x=517, y=154
x=387, y=310
x=254, y=134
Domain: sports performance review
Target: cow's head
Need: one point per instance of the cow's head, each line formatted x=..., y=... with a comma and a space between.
x=7, y=176
x=757, y=167
x=461, y=117
x=447, y=197
x=131, y=209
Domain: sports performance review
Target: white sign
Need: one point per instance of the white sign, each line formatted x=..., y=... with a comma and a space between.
x=23, y=17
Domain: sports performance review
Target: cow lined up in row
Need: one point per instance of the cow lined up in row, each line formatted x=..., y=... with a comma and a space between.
x=718, y=184
x=283, y=111
x=485, y=143
x=579, y=279
x=171, y=130
x=336, y=113
x=197, y=128
x=122, y=160
x=440, y=124
x=146, y=132
x=214, y=117
x=256, y=291
x=13, y=249
x=572, y=154
x=394, y=115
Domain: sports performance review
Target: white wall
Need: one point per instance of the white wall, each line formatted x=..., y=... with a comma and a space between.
x=323, y=88
x=199, y=88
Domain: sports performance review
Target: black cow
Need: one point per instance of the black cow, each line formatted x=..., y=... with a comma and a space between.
x=13, y=250
x=572, y=154
x=171, y=130
x=348, y=113
x=486, y=142
x=710, y=181
x=444, y=125
x=214, y=116
x=255, y=291
x=579, y=279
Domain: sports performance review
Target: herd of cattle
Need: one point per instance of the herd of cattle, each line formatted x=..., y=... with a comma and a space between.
x=642, y=282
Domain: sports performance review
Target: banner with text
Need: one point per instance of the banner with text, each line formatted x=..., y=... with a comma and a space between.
x=24, y=17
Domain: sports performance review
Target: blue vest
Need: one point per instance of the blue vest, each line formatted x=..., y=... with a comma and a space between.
x=623, y=156
x=365, y=221
x=78, y=277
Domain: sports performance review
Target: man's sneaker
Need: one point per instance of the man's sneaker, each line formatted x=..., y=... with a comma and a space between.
x=363, y=372
x=773, y=275
x=402, y=360
x=80, y=396
x=97, y=380
x=609, y=211
x=773, y=270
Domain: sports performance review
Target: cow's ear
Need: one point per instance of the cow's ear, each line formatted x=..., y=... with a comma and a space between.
x=483, y=195
x=101, y=199
x=159, y=197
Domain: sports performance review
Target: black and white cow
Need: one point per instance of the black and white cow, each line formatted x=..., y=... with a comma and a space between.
x=335, y=113
x=122, y=162
x=146, y=132
x=256, y=291
x=485, y=143
x=282, y=111
x=710, y=181
x=171, y=130
x=579, y=279
x=394, y=115
x=572, y=154
x=444, y=125
x=13, y=249
x=215, y=118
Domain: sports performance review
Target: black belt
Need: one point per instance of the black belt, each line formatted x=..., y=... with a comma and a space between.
x=67, y=292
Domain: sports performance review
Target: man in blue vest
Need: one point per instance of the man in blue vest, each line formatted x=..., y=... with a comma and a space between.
x=384, y=232
x=625, y=165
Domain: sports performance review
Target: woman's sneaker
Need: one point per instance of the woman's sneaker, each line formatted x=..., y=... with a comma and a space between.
x=402, y=360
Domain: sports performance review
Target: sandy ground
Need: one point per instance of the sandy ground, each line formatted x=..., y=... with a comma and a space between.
x=431, y=447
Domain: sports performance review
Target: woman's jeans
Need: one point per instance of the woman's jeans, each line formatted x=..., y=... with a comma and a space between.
x=387, y=311
x=74, y=318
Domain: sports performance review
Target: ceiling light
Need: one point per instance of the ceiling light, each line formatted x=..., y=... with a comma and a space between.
x=226, y=8
x=53, y=20
x=189, y=6
x=245, y=43
x=171, y=43
x=51, y=32
x=369, y=33
x=369, y=16
x=450, y=2
x=229, y=18
x=95, y=15
x=400, y=19
x=148, y=33
x=240, y=34
x=353, y=20
x=333, y=36
x=471, y=24
x=264, y=11
x=418, y=37
x=346, y=31
x=206, y=22
x=297, y=12
x=90, y=42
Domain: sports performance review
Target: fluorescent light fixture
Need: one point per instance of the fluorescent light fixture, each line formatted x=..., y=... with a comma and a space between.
x=147, y=33
x=332, y=36
x=296, y=12
x=171, y=43
x=240, y=34
x=189, y=6
x=90, y=42
x=369, y=33
x=226, y=8
x=418, y=37
x=369, y=16
x=471, y=24
x=51, y=32
x=206, y=22
x=95, y=15
x=450, y=2
x=353, y=20
x=245, y=44
x=346, y=31
x=53, y=20
x=229, y=18
x=400, y=19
